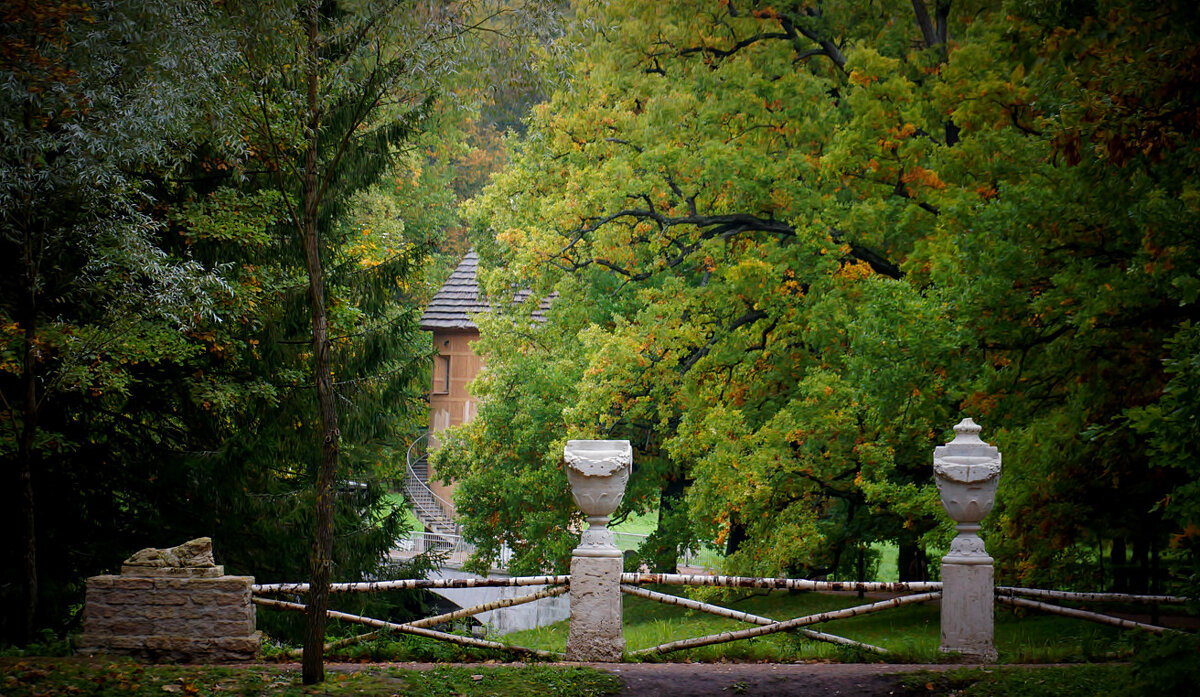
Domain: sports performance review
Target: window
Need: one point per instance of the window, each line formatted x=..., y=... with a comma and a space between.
x=441, y=375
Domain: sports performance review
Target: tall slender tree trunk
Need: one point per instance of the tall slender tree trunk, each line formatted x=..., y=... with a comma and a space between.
x=26, y=450
x=321, y=560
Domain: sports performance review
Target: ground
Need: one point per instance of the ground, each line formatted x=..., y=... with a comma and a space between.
x=746, y=679
x=762, y=679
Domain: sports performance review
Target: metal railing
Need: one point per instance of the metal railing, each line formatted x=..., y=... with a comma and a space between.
x=454, y=546
x=630, y=540
x=458, y=549
x=416, y=484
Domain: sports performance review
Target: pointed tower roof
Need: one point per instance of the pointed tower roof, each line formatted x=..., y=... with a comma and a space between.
x=459, y=298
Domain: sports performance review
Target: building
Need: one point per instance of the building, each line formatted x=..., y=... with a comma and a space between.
x=449, y=318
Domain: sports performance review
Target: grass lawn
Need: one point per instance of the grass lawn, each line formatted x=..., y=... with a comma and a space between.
x=105, y=677
x=910, y=633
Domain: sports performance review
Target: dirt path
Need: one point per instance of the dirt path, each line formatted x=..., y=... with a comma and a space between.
x=734, y=679
x=761, y=679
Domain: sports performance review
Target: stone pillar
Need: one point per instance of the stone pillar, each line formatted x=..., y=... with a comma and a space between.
x=598, y=471
x=967, y=471
x=169, y=606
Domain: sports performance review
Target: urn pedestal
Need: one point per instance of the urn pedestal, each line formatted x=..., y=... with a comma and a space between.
x=598, y=471
x=967, y=471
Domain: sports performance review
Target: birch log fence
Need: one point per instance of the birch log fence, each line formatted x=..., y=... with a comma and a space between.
x=966, y=470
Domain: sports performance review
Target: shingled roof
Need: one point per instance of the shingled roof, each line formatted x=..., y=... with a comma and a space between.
x=459, y=298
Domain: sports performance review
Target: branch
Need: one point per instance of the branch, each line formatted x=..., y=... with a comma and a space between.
x=924, y=23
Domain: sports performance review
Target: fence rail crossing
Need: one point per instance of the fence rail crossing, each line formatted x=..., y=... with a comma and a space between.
x=918, y=592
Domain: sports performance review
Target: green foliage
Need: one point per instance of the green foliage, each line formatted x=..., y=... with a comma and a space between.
x=95, y=100
x=792, y=245
x=512, y=489
x=1167, y=665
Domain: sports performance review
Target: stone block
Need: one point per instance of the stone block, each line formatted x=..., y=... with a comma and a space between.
x=229, y=584
x=171, y=618
x=967, y=611
x=172, y=571
x=595, y=629
x=121, y=582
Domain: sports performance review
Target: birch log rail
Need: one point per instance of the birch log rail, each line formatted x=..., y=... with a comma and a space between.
x=409, y=629
x=1009, y=591
x=780, y=583
x=789, y=624
x=413, y=583
x=719, y=611
x=1082, y=614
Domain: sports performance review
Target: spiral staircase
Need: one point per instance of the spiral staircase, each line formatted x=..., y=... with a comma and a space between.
x=434, y=512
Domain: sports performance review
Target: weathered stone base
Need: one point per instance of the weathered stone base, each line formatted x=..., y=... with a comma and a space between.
x=188, y=620
x=595, y=631
x=967, y=611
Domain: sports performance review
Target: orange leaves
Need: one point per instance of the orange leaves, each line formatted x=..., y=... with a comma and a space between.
x=982, y=403
x=855, y=270
x=862, y=79
x=925, y=177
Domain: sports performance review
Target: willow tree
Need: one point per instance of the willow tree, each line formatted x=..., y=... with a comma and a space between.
x=93, y=98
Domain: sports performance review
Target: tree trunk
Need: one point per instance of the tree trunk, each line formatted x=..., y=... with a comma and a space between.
x=911, y=563
x=1139, y=576
x=1120, y=566
x=26, y=452
x=321, y=560
x=666, y=557
x=737, y=535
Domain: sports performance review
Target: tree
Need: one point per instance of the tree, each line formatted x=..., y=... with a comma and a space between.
x=736, y=279
x=1080, y=266
x=810, y=237
x=335, y=90
x=92, y=96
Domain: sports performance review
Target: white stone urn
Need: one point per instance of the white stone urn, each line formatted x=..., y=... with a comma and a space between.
x=598, y=471
x=967, y=471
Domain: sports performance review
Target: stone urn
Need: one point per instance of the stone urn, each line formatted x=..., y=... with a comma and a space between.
x=598, y=471
x=967, y=471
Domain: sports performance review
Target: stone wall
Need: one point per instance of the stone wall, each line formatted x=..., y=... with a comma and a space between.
x=175, y=619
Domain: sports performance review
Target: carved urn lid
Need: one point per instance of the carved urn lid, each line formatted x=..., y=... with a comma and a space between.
x=598, y=458
x=967, y=459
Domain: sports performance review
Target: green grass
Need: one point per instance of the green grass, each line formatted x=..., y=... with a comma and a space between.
x=108, y=677
x=638, y=523
x=396, y=499
x=888, y=570
x=1056, y=681
x=910, y=633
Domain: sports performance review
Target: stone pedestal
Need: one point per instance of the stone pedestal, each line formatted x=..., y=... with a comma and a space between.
x=595, y=630
x=170, y=619
x=170, y=613
x=967, y=620
x=967, y=472
x=598, y=471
